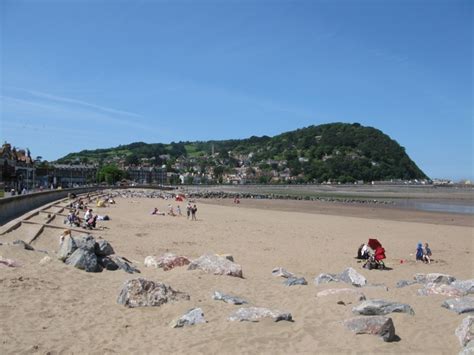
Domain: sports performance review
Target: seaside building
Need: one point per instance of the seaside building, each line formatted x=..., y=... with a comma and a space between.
x=69, y=175
x=17, y=169
x=147, y=175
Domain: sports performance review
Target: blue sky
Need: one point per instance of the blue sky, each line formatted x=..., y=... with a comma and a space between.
x=93, y=74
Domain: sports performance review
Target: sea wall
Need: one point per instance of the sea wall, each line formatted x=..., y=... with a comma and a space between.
x=15, y=206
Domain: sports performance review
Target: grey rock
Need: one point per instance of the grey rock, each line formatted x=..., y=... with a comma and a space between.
x=405, y=283
x=281, y=272
x=103, y=248
x=23, y=244
x=352, y=277
x=441, y=289
x=465, y=331
x=337, y=291
x=123, y=264
x=460, y=305
x=377, y=307
x=85, y=260
x=434, y=278
x=216, y=265
x=192, y=317
x=325, y=278
x=219, y=296
x=107, y=263
x=254, y=314
x=85, y=242
x=67, y=247
x=292, y=281
x=468, y=349
x=467, y=286
x=144, y=293
x=377, y=325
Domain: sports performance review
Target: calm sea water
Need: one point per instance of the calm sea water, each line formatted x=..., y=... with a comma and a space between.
x=442, y=206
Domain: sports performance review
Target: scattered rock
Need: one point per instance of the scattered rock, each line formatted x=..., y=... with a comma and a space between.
x=254, y=314
x=169, y=261
x=337, y=291
x=351, y=276
x=441, y=289
x=85, y=260
x=216, y=265
x=378, y=307
x=434, y=278
x=107, y=263
x=460, y=305
x=143, y=293
x=8, y=262
x=404, y=283
x=66, y=248
x=292, y=281
x=465, y=331
x=325, y=278
x=46, y=260
x=380, y=286
x=377, y=325
x=192, y=317
x=151, y=261
x=23, y=244
x=467, y=286
x=103, y=248
x=281, y=272
x=468, y=349
x=219, y=296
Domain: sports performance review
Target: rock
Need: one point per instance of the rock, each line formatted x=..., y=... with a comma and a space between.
x=377, y=325
x=143, y=293
x=46, y=260
x=337, y=291
x=216, y=265
x=123, y=264
x=23, y=244
x=8, y=262
x=85, y=242
x=103, y=248
x=434, y=278
x=254, y=314
x=376, y=307
x=169, y=261
x=292, y=281
x=351, y=276
x=404, y=283
x=325, y=278
x=219, y=296
x=107, y=263
x=85, y=260
x=192, y=317
x=151, y=261
x=460, y=305
x=279, y=271
x=441, y=289
x=468, y=349
x=467, y=286
x=66, y=248
x=465, y=331
x=227, y=256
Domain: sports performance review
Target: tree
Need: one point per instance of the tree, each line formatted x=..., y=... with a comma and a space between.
x=110, y=174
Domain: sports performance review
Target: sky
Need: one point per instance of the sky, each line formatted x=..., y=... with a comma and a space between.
x=95, y=74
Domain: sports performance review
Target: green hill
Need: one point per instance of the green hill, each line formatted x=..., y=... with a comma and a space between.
x=337, y=151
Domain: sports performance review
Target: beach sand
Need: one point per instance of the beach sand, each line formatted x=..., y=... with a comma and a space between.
x=56, y=308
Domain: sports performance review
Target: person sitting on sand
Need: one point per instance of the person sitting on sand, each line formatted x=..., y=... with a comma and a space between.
x=88, y=214
x=171, y=211
x=427, y=254
x=363, y=252
x=419, y=252
x=62, y=237
x=156, y=211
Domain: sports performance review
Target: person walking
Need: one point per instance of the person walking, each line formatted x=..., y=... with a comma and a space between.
x=193, y=213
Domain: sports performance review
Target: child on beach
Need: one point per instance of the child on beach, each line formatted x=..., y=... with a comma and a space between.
x=193, y=213
x=419, y=252
x=427, y=254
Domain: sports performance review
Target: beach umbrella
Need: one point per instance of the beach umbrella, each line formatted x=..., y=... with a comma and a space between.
x=374, y=244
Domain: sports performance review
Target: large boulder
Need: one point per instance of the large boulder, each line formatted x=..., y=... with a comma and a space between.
x=86, y=242
x=192, y=317
x=465, y=331
x=377, y=325
x=376, y=307
x=467, y=286
x=460, y=305
x=281, y=272
x=66, y=248
x=219, y=296
x=85, y=260
x=441, y=289
x=216, y=265
x=103, y=248
x=434, y=278
x=169, y=261
x=254, y=314
x=144, y=293
x=352, y=277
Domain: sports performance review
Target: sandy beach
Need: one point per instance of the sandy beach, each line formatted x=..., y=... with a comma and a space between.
x=55, y=308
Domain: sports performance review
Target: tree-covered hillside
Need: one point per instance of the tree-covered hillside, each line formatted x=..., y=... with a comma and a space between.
x=337, y=151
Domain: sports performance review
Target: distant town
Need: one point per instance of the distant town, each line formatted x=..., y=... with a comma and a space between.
x=21, y=173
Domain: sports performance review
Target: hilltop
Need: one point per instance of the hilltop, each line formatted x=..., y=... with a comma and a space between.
x=337, y=151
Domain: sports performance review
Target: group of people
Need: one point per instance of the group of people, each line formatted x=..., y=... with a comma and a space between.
x=190, y=211
x=423, y=253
